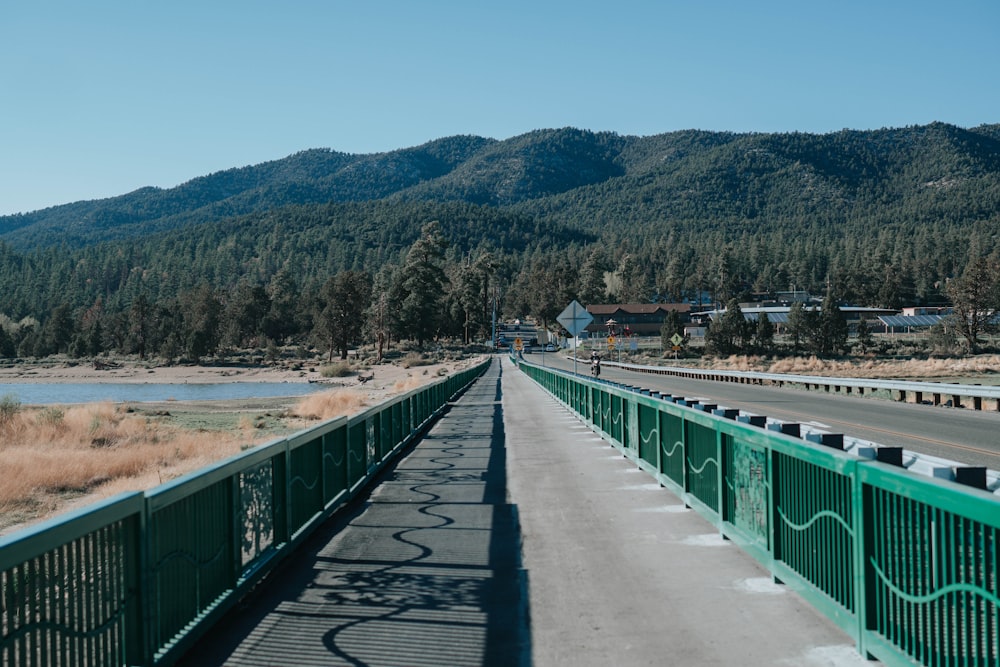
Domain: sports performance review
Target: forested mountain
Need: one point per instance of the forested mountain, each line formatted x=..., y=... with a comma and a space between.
x=922, y=173
x=887, y=217
x=312, y=176
x=911, y=175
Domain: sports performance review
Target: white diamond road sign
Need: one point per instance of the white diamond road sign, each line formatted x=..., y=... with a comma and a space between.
x=575, y=318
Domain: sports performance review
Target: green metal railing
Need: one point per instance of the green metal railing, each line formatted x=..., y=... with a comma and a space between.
x=137, y=579
x=906, y=564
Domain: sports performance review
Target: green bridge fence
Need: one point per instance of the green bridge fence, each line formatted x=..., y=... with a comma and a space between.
x=906, y=564
x=137, y=579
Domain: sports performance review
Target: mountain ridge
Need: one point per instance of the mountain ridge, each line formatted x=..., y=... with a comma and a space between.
x=575, y=175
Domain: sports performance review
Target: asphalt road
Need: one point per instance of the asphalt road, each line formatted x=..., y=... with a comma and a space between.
x=964, y=436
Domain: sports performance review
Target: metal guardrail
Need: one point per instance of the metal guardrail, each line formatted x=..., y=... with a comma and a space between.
x=907, y=564
x=977, y=397
x=137, y=579
x=916, y=462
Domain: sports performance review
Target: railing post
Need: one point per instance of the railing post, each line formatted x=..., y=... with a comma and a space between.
x=281, y=500
x=138, y=650
x=859, y=524
x=235, y=527
x=720, y=483
x=633, y=426
x=774, y=546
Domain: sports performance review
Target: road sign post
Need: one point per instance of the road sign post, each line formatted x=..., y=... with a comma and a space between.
x=576, y=319
x=676, y=339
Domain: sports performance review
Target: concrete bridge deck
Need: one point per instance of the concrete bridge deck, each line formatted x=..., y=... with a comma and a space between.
x=513, y=535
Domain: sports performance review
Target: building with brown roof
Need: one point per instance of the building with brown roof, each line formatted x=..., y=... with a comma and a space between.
x=641, y=319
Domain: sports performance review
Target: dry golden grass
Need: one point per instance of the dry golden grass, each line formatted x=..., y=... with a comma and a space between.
x=349, y=401
x=908, y=368
x=330, y=404
x=867, y=368
x=407, y=384
x=51, y=455
x=414, y=359
x=52, y=458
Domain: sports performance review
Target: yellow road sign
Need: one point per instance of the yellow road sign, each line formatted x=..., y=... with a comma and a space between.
x=611, y=342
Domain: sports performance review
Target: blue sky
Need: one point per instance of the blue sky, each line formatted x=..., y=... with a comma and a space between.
x=100, y=98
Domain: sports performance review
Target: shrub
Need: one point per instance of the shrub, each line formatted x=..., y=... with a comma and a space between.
x=414, y=359
x=51, y=416
x=9, y=407
x=329, y=404
x=337, y=370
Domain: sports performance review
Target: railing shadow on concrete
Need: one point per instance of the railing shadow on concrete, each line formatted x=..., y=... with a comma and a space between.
x=136, y=579
x=905, y=563
x=426, y=570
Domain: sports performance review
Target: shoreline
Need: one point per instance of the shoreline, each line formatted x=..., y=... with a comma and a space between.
x=172, y=437
x=382, y=381
x=68, y=371
x=135, y=373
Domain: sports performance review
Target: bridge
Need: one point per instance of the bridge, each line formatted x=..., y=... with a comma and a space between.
x=518, y=516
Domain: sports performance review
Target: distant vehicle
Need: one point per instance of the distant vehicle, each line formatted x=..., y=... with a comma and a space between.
x=508, y=334
x=550, y=348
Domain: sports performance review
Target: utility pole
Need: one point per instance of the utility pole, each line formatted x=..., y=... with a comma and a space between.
x=493, y=327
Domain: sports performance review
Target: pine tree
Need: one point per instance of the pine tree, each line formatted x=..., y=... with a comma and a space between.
x=729, y=334
x=632, y=279
x=57, y=333
x=202, y=315
x=798, y=325
x=340, y=321
x=593, y=289
x=764, y=335
x=7, y=349
x=140, y=323
x=382, y=314
x=282, y=320
x=422, y=285
x=865, y=340
x=470, y=288
x=245, y=311
x=829, y=333
x=976, y=297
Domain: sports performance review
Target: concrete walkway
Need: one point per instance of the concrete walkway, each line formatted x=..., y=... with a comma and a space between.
x=512, y=535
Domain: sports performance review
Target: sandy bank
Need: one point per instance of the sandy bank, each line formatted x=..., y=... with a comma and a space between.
x=70, y=372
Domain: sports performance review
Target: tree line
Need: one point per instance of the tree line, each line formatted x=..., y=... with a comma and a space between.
x=417, y=299
x=433, y=293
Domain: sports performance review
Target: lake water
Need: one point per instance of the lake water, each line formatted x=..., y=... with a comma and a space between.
x=59, y=393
